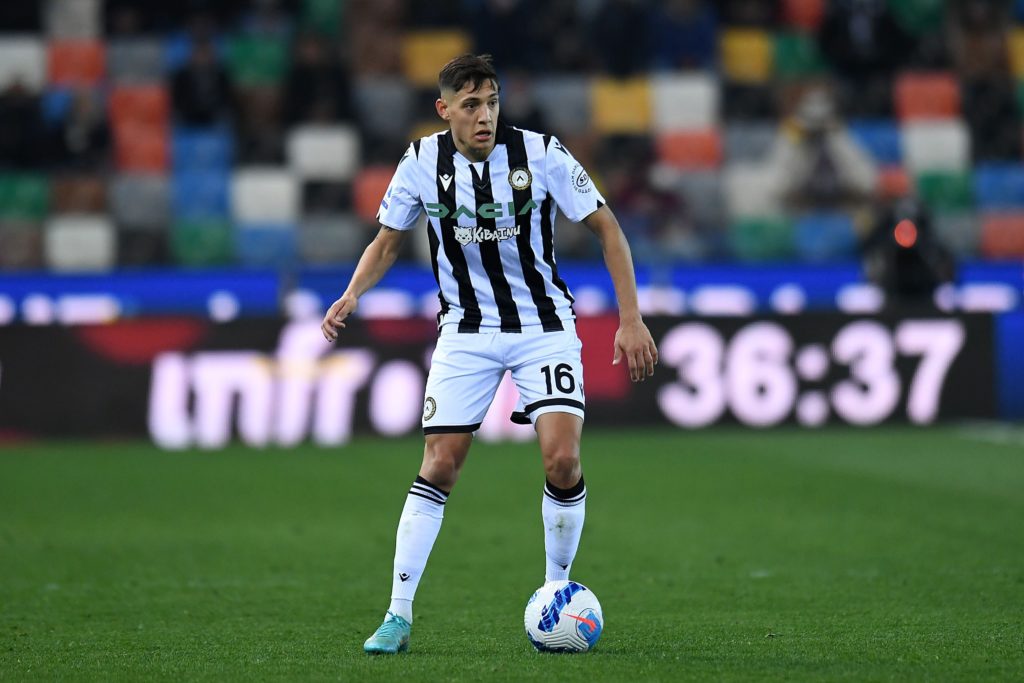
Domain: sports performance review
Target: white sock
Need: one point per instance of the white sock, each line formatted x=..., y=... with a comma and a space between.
x=563, y=511
x=417, y=530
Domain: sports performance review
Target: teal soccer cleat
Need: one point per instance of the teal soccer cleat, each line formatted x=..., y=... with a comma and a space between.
x=391, y=638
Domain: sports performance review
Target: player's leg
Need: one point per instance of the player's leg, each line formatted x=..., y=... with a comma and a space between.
x=463, y=378
x=549, y=375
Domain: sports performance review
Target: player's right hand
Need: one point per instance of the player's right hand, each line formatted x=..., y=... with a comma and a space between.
x=336, y=314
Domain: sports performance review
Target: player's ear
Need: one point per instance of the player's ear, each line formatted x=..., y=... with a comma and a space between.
x=442, y=108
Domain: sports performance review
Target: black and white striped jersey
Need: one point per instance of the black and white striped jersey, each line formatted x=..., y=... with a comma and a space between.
x=491, y=225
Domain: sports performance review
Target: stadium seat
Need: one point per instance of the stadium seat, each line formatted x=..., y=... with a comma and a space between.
x=918, y=16
x=202, y=242
x=202, y=149
x=761, y=239
x=21, y=245
x=273, y=245
x=73, y=19
x=565, y=101
x=797, y=56
x=959, y=231
x=805, y=15
x=79, y=194
x=746, y=55
x=748, y=141
x=424, y=52
x=684, y=101
x=22, y=58
x=621, y=107
x=200, y=194
x=264, y=194
x=135, y=61
x=319, y=152
x=946, y=190
x=147, y=105
x=702, y=193
x=24, y=196
x=748, y=191
x=141, y=247
x=1015, y=46
x=374, y=96
x=824, y=237
x=893, y=182
x=332, y=239
x=370, y=186
x=76, y=62
x=691, y=150
x=80, y=242
x=324, y=16
x=1002, y=235
x=999, y=186
x=936, y=146
x=140, y=201
x=141, y=148
x=177, y=48
x=257, y=60
x=880, y=137
x=927, y=96
x=55, y=105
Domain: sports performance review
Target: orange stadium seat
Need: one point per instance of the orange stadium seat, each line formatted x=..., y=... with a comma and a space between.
x=140, y=104
x=1002, y=235
x=369, y=188
x=76, y=62
x=425, y=52
x=691, y=150
x=747, y=55
x=805, y=15
x=893, y=182
x=621, y=106
x=141, y=148
x=927, y=96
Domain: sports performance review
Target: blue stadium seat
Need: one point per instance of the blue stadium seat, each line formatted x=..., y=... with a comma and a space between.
x=999, y=186
x=200, y=194
x=880, y=137
x=55, y=105
x=825, y=237
x=210, y=149
x=266, y=245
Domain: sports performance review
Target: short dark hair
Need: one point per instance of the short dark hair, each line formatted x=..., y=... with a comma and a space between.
x=467, y=68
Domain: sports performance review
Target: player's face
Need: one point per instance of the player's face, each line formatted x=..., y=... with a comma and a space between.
x=473, y=116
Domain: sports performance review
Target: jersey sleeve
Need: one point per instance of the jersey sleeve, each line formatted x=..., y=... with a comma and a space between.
x=401, y=207
x=570, y=184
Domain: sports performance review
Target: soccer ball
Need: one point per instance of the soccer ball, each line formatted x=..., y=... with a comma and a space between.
x=563, y=616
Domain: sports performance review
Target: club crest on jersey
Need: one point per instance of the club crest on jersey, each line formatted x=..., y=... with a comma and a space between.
x=429, y=408
x=520, y=178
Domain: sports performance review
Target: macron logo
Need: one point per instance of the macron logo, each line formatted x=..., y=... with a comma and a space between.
x=446, y=181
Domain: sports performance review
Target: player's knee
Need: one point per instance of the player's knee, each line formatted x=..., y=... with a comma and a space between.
x=442, y=462
x=562, y=464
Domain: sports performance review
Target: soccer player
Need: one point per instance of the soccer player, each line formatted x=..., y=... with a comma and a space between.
x=490, y=192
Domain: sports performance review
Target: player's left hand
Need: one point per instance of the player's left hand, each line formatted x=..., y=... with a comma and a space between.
x=633, y=341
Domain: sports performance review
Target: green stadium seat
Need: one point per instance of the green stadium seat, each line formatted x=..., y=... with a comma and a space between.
x=257, y=60
x=200, y=243
x=918, y=16
x=797, y=56
x=323, y=16
x=762, y=239
x=24, y=196
x=946, y=190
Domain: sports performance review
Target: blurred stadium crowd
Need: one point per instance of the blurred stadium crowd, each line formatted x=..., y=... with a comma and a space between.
x=264, y=132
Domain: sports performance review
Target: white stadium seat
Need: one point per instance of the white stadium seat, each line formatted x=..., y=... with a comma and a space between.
x=390, y=96
x=324, y=152
x=77, y=242
x=564, y=102
x=22, y=58
x=73, y=19
x=749, y=191
x=264, y=194
x=936, y=146
x=685, y=102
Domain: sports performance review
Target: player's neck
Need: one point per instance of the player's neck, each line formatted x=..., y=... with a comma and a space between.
x=474, y=155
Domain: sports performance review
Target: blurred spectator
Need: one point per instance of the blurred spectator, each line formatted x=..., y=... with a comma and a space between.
x=749, y=12
x=864, y=44
x=21, y=129
x=518, y=106
x=683, y=35
x=815, y=164
x=507, y=29
x=559, y=28
x=84, y=136
x=903, y=257
x=201, y=90
x=317, y=88
x=620, y=31
x=267, y=18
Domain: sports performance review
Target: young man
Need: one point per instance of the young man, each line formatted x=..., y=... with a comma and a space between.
x=490, y=192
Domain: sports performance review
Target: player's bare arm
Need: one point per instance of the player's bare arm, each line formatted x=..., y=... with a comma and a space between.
x=378, y=257
x=633, y=340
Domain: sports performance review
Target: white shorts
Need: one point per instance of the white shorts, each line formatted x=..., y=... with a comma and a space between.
x=466, y=369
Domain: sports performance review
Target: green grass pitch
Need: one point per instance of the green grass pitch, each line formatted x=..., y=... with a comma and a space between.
x=892, y=554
